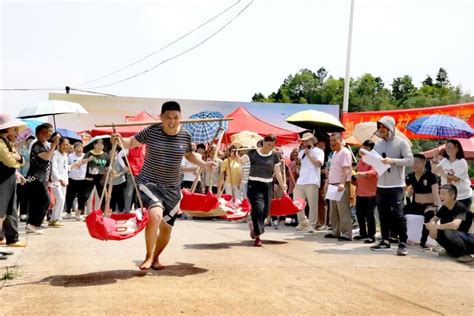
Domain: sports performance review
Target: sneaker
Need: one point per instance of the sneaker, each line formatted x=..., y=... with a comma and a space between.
x=258, y=242
x=402, y=249
x=267, y=222
x=369, y=241
x=30, y=229
x=321, y=227
x=465, y=259
x=55, y=224
x=67, y=216
x=330, y=236
x=17, y=244
x=78, y=217
x=5, y=252
x=304, y=225
x=383, y=245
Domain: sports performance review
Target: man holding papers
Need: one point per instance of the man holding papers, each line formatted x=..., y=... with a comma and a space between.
x=396, y=154
x=339, y=179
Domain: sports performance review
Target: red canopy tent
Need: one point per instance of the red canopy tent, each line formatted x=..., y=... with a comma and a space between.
x=244, y=121
x=126, y=131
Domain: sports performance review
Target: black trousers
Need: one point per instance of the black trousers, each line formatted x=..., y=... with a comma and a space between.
x=390, y=206
x=117, y=200
x=99, y=186
x=260, y=198
x=21, y=198
x=365, y=215
x=38, y=202
x=9, y=211
x=456, y=243
x=76, y=188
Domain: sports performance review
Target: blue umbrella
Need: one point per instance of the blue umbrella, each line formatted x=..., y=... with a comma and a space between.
x=205, y=131
x=441, y=126
x=32, y=123
x=67, y=133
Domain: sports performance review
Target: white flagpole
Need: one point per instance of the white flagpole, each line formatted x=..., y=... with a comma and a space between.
x=345, y=104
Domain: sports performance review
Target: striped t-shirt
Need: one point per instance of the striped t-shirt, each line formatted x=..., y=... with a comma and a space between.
x=163, y=155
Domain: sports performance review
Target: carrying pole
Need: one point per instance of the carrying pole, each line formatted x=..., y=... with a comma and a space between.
x=144, y=123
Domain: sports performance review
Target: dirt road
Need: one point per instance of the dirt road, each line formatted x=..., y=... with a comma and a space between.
x=213, y=269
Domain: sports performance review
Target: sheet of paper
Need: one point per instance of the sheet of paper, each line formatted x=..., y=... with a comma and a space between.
x=375, y=160
x=333, y=194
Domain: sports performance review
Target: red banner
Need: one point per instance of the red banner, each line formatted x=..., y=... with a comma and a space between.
x=463, y=111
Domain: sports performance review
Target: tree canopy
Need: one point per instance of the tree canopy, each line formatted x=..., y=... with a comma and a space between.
x=367, y=92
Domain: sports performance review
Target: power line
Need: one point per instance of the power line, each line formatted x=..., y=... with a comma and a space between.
x=92, y=92
x=178, y=55
x=30, y=89
x=67, y=89
x=162, y=48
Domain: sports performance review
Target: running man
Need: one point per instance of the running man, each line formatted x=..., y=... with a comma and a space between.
x=159, y=178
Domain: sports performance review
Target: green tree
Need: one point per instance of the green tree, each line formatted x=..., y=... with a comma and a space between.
x=367, y=93
x=321, y=74
x=259, y=97
x=401, y=88
x=442, y=78
x=428, y=81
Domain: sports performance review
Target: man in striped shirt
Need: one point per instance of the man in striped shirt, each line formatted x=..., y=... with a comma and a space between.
x=159, y=178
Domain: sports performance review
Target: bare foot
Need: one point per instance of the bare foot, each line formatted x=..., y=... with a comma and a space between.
x=146, y=264
x=157, y=265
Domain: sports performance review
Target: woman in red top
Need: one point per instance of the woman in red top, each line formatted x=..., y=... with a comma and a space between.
x=366, y=197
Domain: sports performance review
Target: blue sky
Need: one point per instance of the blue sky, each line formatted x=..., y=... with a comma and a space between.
x=58, y=43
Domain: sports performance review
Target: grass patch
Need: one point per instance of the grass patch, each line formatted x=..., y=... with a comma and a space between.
x=10, y=274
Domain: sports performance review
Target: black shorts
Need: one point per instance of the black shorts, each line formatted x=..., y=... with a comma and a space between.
x=167, y=198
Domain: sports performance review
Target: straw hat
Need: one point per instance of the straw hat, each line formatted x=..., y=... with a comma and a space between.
x=307, y=136
x=6, y=121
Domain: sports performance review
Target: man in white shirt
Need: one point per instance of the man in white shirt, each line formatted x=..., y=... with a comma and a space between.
x=189, y=171
x=309, y=180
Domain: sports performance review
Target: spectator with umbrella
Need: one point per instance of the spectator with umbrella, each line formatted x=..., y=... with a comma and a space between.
x=453, y=168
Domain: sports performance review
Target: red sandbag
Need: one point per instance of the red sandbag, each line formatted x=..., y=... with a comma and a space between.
x=235, y=210
x=286, y=206
x=198, y=202
x=117, y=226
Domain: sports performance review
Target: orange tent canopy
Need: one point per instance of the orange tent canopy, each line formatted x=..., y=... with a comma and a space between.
x=243, y=120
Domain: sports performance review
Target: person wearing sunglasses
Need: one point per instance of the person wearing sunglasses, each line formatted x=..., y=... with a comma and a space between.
x=396, y=152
